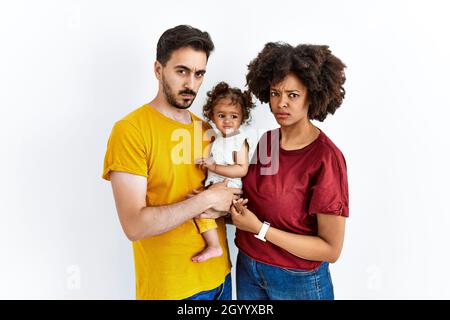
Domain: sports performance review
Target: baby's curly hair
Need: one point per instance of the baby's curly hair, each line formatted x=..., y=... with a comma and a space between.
x=317, y=68
x=223, y=90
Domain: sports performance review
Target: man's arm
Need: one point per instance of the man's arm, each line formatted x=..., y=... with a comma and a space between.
x=139, y=221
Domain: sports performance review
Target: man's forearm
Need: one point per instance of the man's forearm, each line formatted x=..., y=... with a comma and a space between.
x=154, y=220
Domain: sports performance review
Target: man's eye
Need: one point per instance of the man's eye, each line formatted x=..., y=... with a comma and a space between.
x=182, y=72
x=200, y=75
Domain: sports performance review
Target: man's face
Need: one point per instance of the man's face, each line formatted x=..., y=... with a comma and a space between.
x=182, y=76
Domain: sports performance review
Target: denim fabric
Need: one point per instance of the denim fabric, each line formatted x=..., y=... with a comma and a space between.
x=222, y=292
x=260, y=281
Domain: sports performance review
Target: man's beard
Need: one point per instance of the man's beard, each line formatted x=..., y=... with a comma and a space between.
x=170, y=97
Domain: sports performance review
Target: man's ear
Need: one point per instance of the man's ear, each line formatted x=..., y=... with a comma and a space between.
x=158, y=70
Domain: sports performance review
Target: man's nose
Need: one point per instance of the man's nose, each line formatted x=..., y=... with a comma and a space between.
x=189, y=84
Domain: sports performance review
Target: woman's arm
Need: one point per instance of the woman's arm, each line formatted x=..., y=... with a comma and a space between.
x=237, y=170
x=326, y=246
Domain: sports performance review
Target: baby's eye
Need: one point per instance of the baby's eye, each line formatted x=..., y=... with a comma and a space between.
x=234, y=116
x=221, y=116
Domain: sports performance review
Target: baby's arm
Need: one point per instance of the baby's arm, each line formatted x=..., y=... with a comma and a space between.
x=237, y=170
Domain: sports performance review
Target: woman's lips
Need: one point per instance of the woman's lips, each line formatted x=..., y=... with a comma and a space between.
x=281, y=115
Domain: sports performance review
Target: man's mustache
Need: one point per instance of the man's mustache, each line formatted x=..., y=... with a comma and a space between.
x=187, y=91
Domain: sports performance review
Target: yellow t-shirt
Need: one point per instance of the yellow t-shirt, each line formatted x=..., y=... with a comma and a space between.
x=147, y=143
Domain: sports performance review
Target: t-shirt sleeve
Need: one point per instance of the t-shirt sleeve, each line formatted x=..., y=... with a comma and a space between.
x=204, y=225
x=125, y=151
x=330, y=189
x=239, y=142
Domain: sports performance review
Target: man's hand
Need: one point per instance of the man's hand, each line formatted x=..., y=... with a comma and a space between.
x=222, y=184
x=213, y=214
x=194, y=193
x=221, y=198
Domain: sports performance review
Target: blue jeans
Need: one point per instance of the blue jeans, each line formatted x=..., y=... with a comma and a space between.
x=260, y=281
x=222, y=292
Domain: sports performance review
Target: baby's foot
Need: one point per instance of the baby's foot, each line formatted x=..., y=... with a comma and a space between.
x=208, y=253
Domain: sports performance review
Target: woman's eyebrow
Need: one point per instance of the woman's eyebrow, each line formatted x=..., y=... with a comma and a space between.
x=292, y=90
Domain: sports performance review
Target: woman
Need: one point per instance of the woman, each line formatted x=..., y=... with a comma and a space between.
x=293, y=225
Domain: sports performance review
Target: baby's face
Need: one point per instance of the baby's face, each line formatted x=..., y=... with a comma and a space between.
x=227, y=116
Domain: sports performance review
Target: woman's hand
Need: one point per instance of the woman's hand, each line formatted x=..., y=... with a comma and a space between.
x=206, y=163
x=243, y=218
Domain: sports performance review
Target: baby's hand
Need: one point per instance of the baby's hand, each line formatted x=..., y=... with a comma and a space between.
x=207, y=163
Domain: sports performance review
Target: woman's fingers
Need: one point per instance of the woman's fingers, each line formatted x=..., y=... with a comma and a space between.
x=238, y=206
x=233, y=211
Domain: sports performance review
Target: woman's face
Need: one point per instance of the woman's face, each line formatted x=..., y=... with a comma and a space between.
x=289, y=101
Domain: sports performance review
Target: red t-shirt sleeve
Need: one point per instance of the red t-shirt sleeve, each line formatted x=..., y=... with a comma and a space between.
x=329, y=193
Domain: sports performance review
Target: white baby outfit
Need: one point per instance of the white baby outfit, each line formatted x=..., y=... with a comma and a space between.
x=222, y=153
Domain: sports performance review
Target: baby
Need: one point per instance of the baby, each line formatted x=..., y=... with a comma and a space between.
x=228, y=108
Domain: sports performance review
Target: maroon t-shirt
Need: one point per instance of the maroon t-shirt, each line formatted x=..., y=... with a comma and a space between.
x=287, y=188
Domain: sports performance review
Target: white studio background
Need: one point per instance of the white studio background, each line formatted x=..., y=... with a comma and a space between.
x=70, y=69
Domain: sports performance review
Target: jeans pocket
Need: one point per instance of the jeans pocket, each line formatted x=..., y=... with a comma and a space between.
x=298, y=272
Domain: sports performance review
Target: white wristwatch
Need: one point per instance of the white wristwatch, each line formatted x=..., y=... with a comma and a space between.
x=262, y=233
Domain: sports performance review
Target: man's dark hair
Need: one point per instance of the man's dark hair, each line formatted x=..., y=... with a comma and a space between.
x=314, y=65
x=179, y=37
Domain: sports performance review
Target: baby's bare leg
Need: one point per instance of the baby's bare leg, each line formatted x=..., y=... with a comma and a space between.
x=213, y=248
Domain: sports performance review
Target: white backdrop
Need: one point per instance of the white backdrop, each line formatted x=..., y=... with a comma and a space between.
x=70, y=69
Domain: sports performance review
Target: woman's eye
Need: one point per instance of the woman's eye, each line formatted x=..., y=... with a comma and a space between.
x=293, y=95
x=273, y=94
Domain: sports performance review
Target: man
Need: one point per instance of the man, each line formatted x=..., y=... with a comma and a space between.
x=150, y=161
